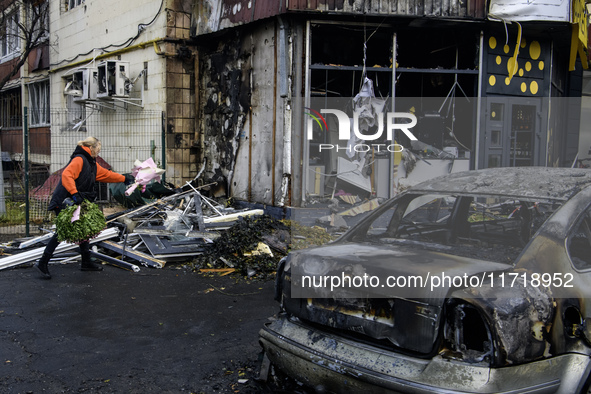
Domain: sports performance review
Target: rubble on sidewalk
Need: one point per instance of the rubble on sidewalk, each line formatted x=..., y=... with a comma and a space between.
x=253, y=247
x=182, y=226
x=199, y=228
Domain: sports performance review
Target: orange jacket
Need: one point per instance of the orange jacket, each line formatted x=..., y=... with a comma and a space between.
x=72, y=171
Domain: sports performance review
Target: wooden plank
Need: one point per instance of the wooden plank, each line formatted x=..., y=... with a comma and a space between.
x=221, y=271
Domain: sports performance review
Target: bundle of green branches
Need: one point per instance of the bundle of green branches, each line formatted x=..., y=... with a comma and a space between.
x=89, y=225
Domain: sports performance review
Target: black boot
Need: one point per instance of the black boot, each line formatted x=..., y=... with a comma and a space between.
x=90, y=265
x=42, y=265
x=87, y=263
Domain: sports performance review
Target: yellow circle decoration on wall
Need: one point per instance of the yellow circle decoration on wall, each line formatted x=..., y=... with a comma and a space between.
x=498, y=60
x=506, y=48
x=535, y=50
x=523, y=87
x=492, y=43
x=521, y=72
x=541, y=65
x=528, y=66
x=492, y=80
x=507, y=81
x=533, y=87
x=523, y=43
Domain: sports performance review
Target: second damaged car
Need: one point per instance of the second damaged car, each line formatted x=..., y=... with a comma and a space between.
x=473, y=282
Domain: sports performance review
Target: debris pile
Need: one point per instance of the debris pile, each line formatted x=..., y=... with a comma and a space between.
x=182, y=225
x=253, y=246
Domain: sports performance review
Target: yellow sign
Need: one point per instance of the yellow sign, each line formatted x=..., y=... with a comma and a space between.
x=579, y=39
x=581, y=18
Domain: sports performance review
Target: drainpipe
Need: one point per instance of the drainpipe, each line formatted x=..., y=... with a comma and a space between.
x=394, y=166
x=305, y=142
x=282, y=60
x=27, y=166
x=284, y=93
x=250, y=114
x=163, y=142
x=280, y=57
x=479, y=103
x=274, y=128
x=548, y=118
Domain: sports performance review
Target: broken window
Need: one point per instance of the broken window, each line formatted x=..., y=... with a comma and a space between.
x=69, y=4
x=76, y=113
x=9, y=37
x=11, y=109
x=489, y=228
x=39, y=103
x=431, y=73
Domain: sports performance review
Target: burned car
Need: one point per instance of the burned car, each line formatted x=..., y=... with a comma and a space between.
x=473, y=282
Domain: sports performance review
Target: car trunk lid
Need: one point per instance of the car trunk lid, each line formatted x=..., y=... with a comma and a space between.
x=381, y=291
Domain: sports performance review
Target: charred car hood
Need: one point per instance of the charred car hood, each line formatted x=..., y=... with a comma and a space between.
x=401, y=299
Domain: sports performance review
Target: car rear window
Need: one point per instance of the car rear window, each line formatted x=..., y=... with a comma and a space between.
x=488, y=228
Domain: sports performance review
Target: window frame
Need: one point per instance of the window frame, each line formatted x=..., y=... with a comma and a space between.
x=10, y=43
x=71, y=4
x=76, y=112
x=11, y=113
x=39, y=91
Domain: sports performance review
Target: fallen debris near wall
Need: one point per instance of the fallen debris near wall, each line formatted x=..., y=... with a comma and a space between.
x=190, y=228
x=253, y=247
x=175, y=227
x=32, y=255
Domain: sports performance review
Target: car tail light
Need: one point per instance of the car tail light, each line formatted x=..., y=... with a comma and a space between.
x=467, y=335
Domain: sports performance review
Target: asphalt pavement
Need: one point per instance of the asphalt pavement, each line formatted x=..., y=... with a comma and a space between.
x=166, y=330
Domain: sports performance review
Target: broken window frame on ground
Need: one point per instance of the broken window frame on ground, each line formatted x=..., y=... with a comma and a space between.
x=176, y=227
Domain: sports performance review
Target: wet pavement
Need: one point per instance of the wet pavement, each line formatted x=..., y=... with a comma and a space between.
x=166, y=330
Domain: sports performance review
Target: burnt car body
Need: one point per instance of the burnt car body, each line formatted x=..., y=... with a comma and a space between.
x=513, y=317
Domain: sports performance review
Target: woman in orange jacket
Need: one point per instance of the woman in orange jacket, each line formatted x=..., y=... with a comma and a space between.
x=77, y=183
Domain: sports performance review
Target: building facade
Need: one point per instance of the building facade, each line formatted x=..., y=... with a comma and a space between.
x=126, y=77
x=109, y=69
x=248, y=93
x=488, y=83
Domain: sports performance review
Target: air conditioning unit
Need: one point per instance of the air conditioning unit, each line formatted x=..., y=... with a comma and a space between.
x=113, y=79
x=86, y=81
